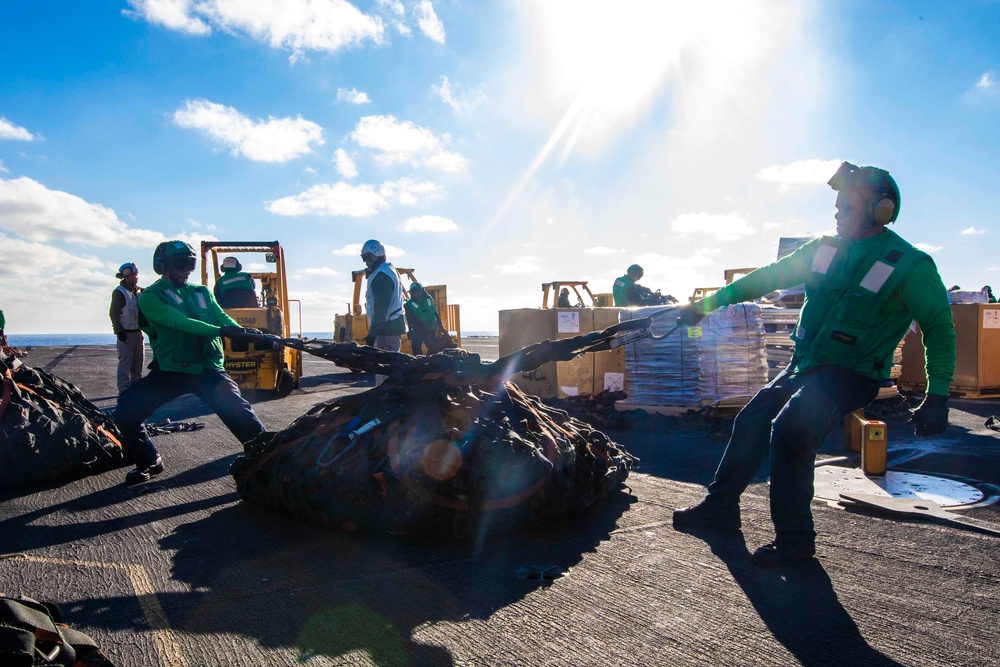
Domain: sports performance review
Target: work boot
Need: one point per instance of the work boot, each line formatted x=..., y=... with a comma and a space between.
x=776, y=554
x=706, y=516
x=140, y=475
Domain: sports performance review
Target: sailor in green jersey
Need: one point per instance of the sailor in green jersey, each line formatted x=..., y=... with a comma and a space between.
x=184, y=324
x=863, y=289
x=422, y=320
x=624, y=289
x=234, y=288
x=3, y=324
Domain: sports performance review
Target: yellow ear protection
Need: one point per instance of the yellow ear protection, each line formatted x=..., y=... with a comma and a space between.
x=883, y=205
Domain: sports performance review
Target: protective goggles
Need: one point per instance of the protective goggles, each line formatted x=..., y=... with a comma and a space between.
x=180, y=262
x=126, y=270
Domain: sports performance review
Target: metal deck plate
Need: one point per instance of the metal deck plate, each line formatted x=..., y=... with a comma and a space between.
x=832, y=480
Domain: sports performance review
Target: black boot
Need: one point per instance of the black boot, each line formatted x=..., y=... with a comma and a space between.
x=140, y=475
x=704, y=515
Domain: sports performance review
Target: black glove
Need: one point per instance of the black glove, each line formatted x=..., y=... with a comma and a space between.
x=122, y=336
x=931, y=416
x=247, y=335
x=690, y=315
x=370, y=341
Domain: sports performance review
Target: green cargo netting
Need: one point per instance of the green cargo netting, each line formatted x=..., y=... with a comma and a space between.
x=49, y=431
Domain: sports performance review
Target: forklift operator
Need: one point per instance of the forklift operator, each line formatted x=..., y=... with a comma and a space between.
x=184, y=324
x=863, y=289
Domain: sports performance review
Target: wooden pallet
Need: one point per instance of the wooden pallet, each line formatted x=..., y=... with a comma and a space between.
x=725, y=406
x=957, y=392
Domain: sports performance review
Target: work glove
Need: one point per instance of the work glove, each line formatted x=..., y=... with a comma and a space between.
x=690, y=315
x=247, y=335
x=931, y=416
x=122, y=336
x=370, y=341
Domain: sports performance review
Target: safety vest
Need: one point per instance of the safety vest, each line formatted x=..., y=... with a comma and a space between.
x=396, y=300
x=178, y=351
x=620, y=290
x=129, y=316
x=235, y=280
x=847, y=318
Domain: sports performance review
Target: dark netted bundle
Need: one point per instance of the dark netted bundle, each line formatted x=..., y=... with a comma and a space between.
x=49, y=431
x=421, y=456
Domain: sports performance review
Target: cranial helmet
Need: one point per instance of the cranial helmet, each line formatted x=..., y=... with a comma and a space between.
x=881, y=194
x=126, y=269
x=231, y=264
x=176, y=254
x=635, y=268
x=373, y=247
x=416, y=287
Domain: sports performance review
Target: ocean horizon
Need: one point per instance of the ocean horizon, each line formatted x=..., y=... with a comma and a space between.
x=74, y=340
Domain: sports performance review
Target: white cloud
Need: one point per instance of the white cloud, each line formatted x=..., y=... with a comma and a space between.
x=601, y=250
x=297, y=25
x=972, y=231
x=338, y=199
x=461, y=103
x=273, y=140
x=310, y=170
x=10, y=131
x=3, y=168
x=428, y=21
x=36, y=213
x=354, y=250
x=405, y=143
x=408, y=191
x=803, y=172
x=352, y=95
x=394, y=6
x=986, y=82
x=429, y=223
x=723, y=227
x=345, y=165
x=172, y=14
x=527, y=264
x=321, y=271
x=927, y=247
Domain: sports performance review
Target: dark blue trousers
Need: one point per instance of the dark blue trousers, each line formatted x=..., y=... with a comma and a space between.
x=144, y=396
x=788, y=419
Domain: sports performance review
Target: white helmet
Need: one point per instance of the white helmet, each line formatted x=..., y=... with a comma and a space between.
x=373, y=247
x=231, y=264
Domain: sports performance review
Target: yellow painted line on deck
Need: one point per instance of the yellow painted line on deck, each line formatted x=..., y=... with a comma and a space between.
x=167, y=646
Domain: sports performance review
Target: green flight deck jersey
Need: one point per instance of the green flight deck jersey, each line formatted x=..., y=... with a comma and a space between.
x=183, y=327
x=861, y=298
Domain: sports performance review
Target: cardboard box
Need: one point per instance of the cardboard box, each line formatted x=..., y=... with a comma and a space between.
x=526, y=326
x=977, y=349
x=609, y=366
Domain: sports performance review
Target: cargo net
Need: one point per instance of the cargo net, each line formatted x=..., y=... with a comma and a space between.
x=444, y=447
x=49, y=431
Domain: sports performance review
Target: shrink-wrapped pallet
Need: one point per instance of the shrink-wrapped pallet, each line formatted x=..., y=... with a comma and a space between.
x=724, y=357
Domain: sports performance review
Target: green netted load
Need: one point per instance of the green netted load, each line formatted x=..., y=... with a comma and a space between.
x=49, y=431
x=434, y=451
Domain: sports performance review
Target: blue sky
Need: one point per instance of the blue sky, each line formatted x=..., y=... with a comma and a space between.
x=490, y=146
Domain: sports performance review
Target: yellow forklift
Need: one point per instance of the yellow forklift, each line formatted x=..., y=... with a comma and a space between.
x=354, y=324
x=264, y=370
x=550, y=295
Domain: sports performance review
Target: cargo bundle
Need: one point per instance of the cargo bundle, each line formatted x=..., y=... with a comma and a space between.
x=444, y=447
x=49, y=431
